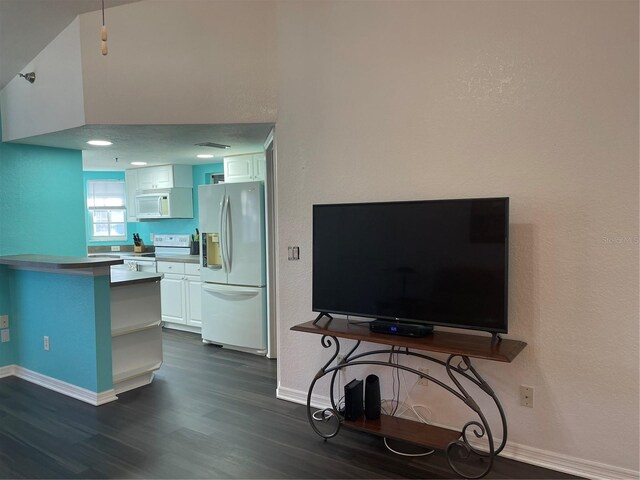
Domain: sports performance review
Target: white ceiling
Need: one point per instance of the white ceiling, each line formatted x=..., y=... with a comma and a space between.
x=27, y=26
x=156, y=144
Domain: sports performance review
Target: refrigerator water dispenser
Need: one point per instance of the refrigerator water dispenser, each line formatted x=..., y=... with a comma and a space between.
x=212, y=256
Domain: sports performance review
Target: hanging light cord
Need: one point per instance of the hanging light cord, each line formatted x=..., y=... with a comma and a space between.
x=103, y=33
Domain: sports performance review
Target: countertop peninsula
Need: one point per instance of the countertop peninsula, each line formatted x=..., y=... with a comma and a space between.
x=54, y=262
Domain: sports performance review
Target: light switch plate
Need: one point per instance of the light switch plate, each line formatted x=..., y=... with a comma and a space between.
x=4, y=321
x=4, y=335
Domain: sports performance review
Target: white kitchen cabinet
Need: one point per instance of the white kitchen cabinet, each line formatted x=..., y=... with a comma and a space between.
x=181, y=296
x=172, y=298
x=131, y=185
x=136, y=333
x=244, y=168
x=165, y=176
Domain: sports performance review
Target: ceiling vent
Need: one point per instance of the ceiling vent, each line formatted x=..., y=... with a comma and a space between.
x=212, y=145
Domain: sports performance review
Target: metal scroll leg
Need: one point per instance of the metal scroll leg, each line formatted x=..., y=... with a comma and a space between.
x=480, y=429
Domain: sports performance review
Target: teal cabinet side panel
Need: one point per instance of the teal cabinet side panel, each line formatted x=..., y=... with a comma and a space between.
x=65, y=311
x=7, y=349
x=103, y=346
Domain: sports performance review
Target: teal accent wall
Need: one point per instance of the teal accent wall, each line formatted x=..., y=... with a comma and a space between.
x=147, y=227
x=41, y=211
x=7, y=349
x=41, y=201
x=74, y=312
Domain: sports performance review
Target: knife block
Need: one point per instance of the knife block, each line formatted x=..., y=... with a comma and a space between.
x=138, y=249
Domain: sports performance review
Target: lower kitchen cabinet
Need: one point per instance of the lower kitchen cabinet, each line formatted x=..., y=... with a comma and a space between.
x=180, y=296
x=135, y=330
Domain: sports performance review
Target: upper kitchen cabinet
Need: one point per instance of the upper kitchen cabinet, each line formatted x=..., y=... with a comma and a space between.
x=245, y=168
x=165, y=176
x=131, y=184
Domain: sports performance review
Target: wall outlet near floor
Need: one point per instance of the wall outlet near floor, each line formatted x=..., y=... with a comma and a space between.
x=4, y=335
x=4, y=321
x=423, y=380
x=115, y=248
x=46, y=343
x=526, y=396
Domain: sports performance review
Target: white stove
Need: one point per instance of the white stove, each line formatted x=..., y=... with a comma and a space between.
x=171, y=245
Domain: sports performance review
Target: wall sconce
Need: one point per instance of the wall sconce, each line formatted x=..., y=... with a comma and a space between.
x=29, y=77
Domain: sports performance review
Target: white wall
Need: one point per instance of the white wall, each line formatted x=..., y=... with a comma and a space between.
x=537, y=101
x=55, y=101
x=181, y=61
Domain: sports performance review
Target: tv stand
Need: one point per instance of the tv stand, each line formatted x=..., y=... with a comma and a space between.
x=465, y=459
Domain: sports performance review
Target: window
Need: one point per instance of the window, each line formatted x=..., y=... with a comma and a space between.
x=107, y=213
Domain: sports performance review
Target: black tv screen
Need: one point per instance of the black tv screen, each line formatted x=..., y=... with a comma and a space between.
x=438, y=262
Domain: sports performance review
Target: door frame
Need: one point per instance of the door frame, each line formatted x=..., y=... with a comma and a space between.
x=271, y=223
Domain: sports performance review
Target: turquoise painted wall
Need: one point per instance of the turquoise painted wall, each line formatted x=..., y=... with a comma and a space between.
x=41, y=211
x=41, y=201
x=74, y=312
x=148, y=227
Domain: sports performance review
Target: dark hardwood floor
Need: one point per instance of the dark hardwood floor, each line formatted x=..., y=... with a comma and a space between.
x=210, y=413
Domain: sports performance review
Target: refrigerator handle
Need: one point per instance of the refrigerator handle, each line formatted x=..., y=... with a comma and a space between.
x=223, y=234
x=221, y=230
x=229, y=241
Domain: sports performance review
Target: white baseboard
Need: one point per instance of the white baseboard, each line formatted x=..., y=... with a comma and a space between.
x=7, y=371
x=59, y=386
x=521, y=453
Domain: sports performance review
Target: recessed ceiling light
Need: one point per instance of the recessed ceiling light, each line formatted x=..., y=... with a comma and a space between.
x=204, y=155
x=138, y=163
x=100, y=143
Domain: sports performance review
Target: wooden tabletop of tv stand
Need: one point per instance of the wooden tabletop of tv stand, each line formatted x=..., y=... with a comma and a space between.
x=476, y=346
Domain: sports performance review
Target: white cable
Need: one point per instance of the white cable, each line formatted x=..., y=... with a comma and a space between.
x=413, y=407
x=406, y=454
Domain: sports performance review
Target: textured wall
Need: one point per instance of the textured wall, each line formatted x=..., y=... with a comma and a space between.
x=181, y=61
x=537, y=101
x=55, y=101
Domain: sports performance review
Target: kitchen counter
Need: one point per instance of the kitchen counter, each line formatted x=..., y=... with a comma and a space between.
x=51, y=262
x=120, y=278
x=179, y=258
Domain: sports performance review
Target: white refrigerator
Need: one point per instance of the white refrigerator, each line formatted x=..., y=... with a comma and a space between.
x=233, y=273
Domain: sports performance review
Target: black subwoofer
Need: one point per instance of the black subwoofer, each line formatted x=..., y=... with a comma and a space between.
x=372, y=397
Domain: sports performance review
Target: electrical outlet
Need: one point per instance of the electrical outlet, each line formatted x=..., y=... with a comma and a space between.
x=4, y=335
x=115, y=248
x=46, y=343
x=526, y=396
x=423, y=380
x=4, y=321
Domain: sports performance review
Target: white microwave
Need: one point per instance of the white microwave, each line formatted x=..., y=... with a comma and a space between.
x=165, y=203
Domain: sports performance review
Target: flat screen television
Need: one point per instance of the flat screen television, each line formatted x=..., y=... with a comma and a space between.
x=433, y=262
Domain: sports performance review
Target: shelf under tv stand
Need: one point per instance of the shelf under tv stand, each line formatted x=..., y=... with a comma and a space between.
x=458, y=346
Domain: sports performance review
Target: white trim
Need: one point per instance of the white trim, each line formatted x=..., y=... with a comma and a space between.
x=134, y=382
x=65, y=388
x=521, y=453
x=7, y=371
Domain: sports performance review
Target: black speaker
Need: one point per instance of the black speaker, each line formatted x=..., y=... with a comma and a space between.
x=353, y=400
x=372, y=397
